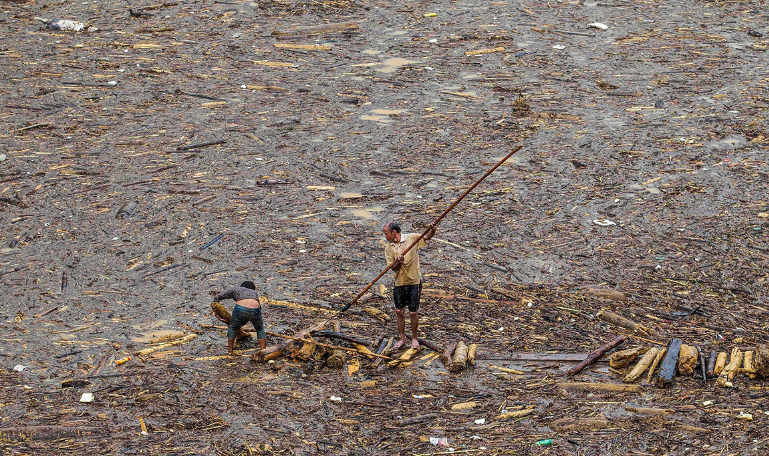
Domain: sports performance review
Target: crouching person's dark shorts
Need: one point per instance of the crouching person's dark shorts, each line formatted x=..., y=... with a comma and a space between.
x=242, y=315
x=407, y=296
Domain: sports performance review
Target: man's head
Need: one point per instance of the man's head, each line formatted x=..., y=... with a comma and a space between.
x=392, y=231
x=248, y=284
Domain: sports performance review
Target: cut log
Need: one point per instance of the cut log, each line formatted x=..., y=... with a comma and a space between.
x=761, y=360
x=336, y=360
x=383, y=350
x=623, y=358
x=223, y=315
x=669, y=363
x=618, y=320
x=749, y=364
x=730, y=370
x=687, y=359
x=448, y=354
x=472, y=350
x=268, y=353
x=593, y=357
x=307, y=350
x=529, y=410
x=710, y=371
x=364, y=350
x=720, y=363
x=42, y=432
x=403, y=358
x=607, y=294
x=459, y=362
x=376, y=313
x=655, y=363
x=649, y=411
x=646, y=361
x=587, y=386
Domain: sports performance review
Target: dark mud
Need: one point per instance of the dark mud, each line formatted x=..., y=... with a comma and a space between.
x=643, y=169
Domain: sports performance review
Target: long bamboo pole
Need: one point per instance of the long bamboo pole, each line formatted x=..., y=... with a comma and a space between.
x=435, y=223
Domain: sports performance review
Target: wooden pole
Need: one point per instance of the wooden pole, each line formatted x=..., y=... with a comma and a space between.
x=593, y=357
x=389, y=266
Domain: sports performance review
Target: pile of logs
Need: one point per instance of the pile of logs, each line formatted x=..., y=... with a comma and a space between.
x=687, y=360
x=459, y=355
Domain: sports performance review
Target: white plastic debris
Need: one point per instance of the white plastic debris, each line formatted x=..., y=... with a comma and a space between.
x=559, y=47
x=112, y=83
x=19, y=368
x=440, y=441
x=86, y=397
x=336, y=399
x=2, y=158
x=603, y=222
x=598, y=25
x=66, y=24
x=432, y=40
x=480, y=421
x=706, y=403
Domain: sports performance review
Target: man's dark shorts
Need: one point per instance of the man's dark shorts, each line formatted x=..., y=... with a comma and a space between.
x=407, y=295
x=242, y=315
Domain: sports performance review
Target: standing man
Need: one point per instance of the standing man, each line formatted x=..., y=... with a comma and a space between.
x=408, y=278
x=247, y=308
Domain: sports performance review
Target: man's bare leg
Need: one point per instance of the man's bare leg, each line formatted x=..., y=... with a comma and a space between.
x=230, y=346
x=414, y=326
x=401, y=319
x=262, y=343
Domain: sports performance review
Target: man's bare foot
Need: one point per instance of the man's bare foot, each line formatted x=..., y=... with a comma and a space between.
x=399, y=345
x=414, y=344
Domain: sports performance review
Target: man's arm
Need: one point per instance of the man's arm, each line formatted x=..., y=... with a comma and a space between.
x=227, y=294
x=431, y=233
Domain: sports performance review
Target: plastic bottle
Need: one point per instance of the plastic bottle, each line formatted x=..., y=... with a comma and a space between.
x=546, y=442
x=66, y=24
x=122, y=360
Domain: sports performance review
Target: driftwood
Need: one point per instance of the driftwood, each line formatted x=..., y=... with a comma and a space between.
x=318, y=29
x=364, y=350
x=646, y=361
x=448, y=354
x=588, y=386
x=720, y=363
x=748, y=364
x=459, y=362
x=417, y=419
x=43, y=432
x=472, y=350
x=623, y=322
x=268, y=353
x=710, y=371
x=307, y=351
x=655, y=363
x=149, y=350
x=669, y=363
x=593, y=357
x=383, y=349
x=731, y=369
x=607, y=294
x=367, y=352
x=223, y=315
x=761, y=360
x=376, y=313
x=623, y=358
x=403, y=358
x=430, y=345
x=528, y=410
x=687, y=359
x=340, y=336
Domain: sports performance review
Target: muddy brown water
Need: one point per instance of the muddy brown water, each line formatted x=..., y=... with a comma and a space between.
x=657, y=124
